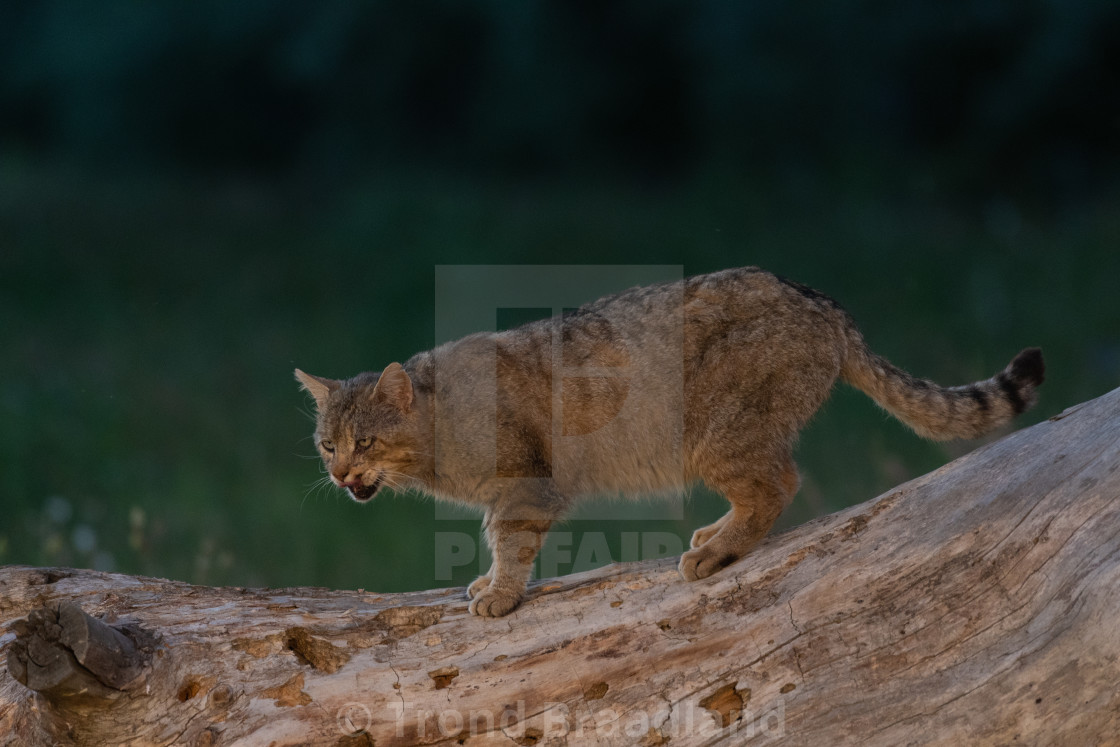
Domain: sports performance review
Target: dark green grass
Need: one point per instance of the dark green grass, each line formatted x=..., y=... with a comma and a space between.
x=150, y=423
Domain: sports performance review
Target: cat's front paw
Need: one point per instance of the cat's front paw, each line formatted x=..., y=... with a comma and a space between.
x=477, y=586
x=491, y=602
x=703, y=562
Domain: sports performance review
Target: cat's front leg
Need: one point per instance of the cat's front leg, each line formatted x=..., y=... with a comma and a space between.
x=514, y=543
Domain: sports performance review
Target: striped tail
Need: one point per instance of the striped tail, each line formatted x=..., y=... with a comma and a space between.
x=938, y=412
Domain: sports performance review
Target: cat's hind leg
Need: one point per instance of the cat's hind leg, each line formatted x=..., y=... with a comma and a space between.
x=703, y=534
x=757, y=496
x=480, y=583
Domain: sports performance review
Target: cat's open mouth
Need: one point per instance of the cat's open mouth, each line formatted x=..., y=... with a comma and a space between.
x=363, y=493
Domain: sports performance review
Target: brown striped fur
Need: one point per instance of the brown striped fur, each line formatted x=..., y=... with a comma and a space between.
x=710, y=378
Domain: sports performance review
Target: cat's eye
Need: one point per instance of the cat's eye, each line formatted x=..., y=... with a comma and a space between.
x=365, y=442
x=326, y=445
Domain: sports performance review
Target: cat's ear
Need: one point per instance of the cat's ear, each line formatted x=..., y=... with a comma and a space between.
x=395, y=387
x=317, y=386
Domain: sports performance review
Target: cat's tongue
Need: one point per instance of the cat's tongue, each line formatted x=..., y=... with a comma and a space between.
x=362, y=493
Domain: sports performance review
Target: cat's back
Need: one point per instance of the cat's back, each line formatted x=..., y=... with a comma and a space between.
x=623, y=329
x=727, y=295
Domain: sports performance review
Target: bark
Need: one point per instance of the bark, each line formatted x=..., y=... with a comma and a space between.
x=976, y=604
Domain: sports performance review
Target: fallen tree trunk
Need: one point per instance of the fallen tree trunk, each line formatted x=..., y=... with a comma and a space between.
x=977, y=604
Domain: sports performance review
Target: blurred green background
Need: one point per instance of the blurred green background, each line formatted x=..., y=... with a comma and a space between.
x=197, y=197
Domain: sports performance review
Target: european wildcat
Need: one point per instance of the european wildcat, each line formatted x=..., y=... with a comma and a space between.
x=709, y=378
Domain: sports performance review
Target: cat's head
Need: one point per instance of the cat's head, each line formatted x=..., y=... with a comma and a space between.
x=366, y=429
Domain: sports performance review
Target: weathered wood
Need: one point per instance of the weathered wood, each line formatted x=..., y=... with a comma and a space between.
x=64, y=653
x=975, y=605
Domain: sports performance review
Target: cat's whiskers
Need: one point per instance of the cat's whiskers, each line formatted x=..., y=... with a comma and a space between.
x=317, y=486
x=393, y=479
